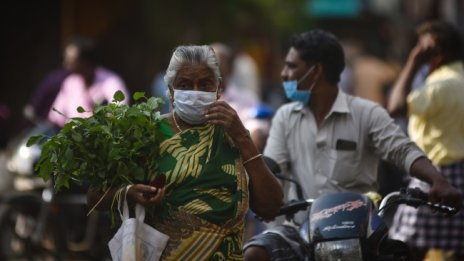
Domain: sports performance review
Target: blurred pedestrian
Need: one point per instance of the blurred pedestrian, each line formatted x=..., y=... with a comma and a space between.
x=160, y=89
x=245, y=101
x=436, y=124
x=242, y=98
x=88, y=84
x=41, y=100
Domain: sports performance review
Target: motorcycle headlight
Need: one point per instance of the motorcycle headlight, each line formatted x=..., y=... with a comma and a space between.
x=348, y=249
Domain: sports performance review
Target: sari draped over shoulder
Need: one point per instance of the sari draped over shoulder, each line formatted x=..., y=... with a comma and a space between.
x=206, y=196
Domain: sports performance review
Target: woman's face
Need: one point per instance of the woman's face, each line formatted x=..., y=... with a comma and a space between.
x=195, y=77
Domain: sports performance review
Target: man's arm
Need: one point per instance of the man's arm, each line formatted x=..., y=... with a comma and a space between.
x=420, y=55
x=440, y=190
x=393, y=145
x=276, y=147
x=396, y=104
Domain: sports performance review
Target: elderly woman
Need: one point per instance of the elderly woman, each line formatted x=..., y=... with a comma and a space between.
x=213, y=169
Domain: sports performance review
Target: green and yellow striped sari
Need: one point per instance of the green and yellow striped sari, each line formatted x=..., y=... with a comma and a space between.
x=206, y=196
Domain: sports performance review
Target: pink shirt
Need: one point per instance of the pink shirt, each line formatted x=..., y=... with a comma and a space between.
x=74, y=93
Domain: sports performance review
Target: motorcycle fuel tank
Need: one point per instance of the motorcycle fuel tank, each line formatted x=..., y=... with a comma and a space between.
x=339, y=215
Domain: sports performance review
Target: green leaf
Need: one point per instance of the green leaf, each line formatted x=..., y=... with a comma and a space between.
x=80, y=109
x=153, y=103
x=138, y=95
x=61, y=181
x=45, y=170
x=133, y=112
x=35, y=139
x=68, y=155
x=53, y=158
x=138, y=173
x=118, y=96
x=77, y=137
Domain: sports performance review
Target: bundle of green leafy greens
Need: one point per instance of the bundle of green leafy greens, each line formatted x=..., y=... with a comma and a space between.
x=116, y=146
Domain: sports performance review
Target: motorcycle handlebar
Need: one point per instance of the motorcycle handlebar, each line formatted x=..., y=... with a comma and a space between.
x=416, y=193
x=410, y=196
x=294, y=206
x=414, y=197
x=442, y=208
x=418, y=197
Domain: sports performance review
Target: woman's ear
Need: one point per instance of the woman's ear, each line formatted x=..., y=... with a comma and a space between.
x=171, y=94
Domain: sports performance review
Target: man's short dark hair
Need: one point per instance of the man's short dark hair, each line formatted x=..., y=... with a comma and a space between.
x=446, y=36
x=319, y=46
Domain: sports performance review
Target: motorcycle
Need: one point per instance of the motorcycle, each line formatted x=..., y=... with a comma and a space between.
x=350, y=226
x=36, y=222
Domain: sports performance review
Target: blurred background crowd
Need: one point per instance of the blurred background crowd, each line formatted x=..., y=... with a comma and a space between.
x=136, y=37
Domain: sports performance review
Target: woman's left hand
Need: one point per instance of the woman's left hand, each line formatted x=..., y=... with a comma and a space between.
x=222, y=114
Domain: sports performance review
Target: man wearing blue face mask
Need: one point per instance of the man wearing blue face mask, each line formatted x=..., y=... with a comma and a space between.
x=292, y=92
x=331, y=141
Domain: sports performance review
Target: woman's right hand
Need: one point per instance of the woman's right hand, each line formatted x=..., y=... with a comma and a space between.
x=145, y=195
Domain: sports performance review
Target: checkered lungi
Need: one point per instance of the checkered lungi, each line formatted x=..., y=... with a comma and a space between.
x=424, y=229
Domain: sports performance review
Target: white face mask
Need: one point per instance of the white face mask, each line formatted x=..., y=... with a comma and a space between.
x=191, y=105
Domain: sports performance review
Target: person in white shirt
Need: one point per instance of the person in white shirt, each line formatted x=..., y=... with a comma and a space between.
x=331, y=141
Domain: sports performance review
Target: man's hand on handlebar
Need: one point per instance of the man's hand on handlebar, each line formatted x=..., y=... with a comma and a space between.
x=442, y=192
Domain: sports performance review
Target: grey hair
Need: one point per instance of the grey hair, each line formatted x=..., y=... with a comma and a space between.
x=195, y=54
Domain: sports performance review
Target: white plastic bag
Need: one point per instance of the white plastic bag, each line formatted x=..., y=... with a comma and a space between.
x=135, y=240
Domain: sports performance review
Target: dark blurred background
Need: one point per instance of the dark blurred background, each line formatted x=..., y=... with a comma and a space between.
x=137, y=36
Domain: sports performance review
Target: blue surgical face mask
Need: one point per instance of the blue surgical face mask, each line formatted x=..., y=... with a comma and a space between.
x=292, y=92
x=191, y=105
